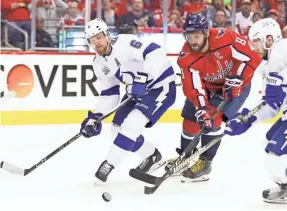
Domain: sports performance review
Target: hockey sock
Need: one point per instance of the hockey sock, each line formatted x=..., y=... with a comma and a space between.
x=143, y=148
x=185, y=140
x=210, y=153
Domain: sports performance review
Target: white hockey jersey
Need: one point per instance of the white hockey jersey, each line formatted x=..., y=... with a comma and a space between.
x=277, y=62
x=129, y=57
x=243, y=24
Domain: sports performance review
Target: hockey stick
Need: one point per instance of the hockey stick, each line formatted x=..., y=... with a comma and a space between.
x=175, y=168
x=5, y=98
x=23, y=172
x=178, y=84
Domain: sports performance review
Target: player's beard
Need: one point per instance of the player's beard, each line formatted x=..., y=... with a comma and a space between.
x=102, y=50
x=196, y=47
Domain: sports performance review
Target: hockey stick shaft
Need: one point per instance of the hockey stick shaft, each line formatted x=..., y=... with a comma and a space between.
x=143, y=176
x=159, y=180
x=204, y=148
x=16, y=170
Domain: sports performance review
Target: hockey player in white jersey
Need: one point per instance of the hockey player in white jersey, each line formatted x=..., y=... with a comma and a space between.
x=149, y=77
x=267, y=39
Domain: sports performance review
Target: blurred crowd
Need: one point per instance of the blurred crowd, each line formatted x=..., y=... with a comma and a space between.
x=132, y=16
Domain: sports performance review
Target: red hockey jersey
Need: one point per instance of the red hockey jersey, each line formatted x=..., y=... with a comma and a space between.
x=229, y=54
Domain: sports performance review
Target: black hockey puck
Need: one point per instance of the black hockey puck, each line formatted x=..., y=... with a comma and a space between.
x=107, y=197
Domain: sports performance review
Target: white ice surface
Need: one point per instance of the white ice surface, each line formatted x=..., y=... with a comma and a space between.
x=66, y=182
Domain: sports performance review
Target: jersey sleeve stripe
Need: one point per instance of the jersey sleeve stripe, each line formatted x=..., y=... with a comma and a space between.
x=201, y=101
x=150, y=48
x=115, y=90
x=196, y=82
x=119, y=76
x=239, y=55
x=168, y=72
x=197, y=86
x=241, y=69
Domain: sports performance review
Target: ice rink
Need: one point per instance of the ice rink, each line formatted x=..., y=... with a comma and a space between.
x=66, y=182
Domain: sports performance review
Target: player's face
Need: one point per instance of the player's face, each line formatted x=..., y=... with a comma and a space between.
x=196, y=40
x=259, y=48
x=100, y=43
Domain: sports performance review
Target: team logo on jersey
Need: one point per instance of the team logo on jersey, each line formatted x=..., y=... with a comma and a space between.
x=218, y=56
x=106, y=70
x=222, y=71
x=220, y=33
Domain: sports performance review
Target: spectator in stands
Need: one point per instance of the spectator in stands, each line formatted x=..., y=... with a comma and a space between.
x=1, y=30
x=255, y=6
x=284, y=32
x=82, y=5
x=211, y=10
x=220, y=19
x=108, y=13
x=228, y=25
x=174, y=18
x=243, y=19
x=16, y=11
x=280, y=6
x=256, y=17
x=137, y=15
x=43, y=39
x=124, y=7
x=73, y=17
x=282, y=10
x=272, y=14
x=52, y=11
x=193, y=6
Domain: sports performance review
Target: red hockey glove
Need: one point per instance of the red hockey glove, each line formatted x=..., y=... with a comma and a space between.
x=204, y=118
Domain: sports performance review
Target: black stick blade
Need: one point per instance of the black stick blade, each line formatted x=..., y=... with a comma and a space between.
x=139, y=175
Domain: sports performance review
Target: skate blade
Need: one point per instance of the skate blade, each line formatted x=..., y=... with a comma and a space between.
x=198, y=179
x=275, y=201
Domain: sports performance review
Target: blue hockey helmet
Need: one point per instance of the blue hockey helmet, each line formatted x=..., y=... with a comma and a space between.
x=194, y=23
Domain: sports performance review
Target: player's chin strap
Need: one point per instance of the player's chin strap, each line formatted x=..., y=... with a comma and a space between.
x=180, y=163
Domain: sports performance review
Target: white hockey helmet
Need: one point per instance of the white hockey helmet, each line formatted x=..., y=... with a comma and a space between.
x=95, y=27
x=261, y=29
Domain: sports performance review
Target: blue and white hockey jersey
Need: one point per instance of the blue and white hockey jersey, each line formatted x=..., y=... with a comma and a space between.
x=277, y=62
x=129, y=57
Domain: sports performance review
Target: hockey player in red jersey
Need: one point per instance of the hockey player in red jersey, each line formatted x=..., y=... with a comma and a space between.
x=217, y=65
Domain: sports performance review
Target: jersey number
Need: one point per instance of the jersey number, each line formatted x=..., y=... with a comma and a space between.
x=241, y=41
x=136, y=44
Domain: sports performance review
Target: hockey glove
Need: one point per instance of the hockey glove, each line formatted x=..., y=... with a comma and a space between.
x=88, y=129
x=274, y=94
x=236, y=126
x=232, y=87
x=138, y=88
x=204, y=118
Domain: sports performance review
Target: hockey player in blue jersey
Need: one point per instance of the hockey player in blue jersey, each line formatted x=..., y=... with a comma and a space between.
x=267, y=40
x=149, y=77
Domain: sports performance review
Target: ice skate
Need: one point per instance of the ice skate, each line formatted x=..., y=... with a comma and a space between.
x=276, y=195
x=198, y=172
x=151, y=163
x=170, y=162
x=104, y=171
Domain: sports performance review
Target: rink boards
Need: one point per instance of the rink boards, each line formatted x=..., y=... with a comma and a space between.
x=59, y=89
